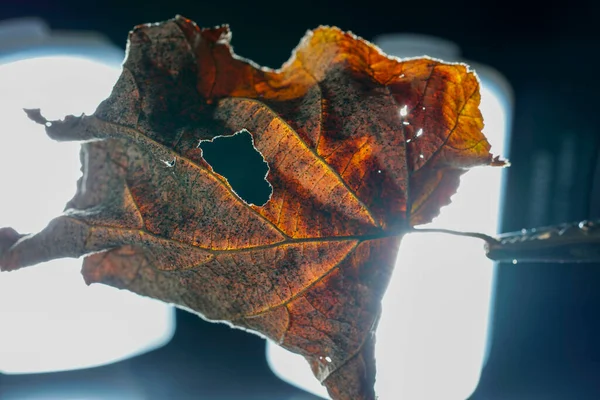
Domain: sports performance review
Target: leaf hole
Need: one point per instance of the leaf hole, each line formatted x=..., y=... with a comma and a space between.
x=236, y=159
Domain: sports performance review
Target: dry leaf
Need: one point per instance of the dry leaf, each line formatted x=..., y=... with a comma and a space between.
x=360, y=147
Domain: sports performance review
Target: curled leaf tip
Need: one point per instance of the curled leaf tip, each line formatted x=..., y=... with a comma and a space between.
x=35, y=115
x=499, y=162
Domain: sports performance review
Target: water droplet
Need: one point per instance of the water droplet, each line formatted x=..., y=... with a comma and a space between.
x=408, y=140
x=419, y=132
x=402, y=76
x=515, y=261
x=406, y=123
x=328, y=359
x=48, y=124
x=404, y=111
x=421, y=156
x=423, y=108
x=378, y=171
x=544, y=236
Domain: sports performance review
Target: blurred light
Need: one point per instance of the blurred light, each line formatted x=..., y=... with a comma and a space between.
x=433, y=339
x=50, y=320
x=77, y=392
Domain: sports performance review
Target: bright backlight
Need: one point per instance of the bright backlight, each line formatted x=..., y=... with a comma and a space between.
x=50, y=320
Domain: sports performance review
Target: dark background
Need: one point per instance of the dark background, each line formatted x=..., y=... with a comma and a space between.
x=546, y=342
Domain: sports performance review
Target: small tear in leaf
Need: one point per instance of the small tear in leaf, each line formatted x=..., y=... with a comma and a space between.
x=171, y=163
x=237, y=160
x=404, y=111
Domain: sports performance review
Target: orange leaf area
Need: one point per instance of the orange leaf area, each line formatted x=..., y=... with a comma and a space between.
x=360, y=147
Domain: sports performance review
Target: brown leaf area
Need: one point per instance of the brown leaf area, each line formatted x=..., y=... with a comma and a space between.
x=360, y=148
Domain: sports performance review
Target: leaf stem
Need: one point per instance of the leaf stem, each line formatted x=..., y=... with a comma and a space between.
x=575, y=242
x=487, y=238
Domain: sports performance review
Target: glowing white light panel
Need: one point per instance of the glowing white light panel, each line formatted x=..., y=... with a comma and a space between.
x=432, y=336
x=49, y=319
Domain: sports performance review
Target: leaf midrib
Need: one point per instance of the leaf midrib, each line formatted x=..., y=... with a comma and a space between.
x=359, y=238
